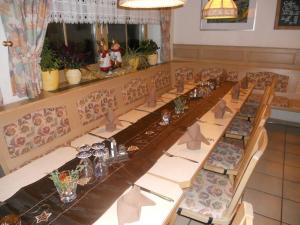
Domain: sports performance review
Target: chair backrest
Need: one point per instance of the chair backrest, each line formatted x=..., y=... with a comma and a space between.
x=247, y=166
x=262, y=118
x=262, y=104
x=272, y=90
x=244, y=215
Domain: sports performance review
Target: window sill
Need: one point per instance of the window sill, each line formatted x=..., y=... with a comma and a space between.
x=88, y=77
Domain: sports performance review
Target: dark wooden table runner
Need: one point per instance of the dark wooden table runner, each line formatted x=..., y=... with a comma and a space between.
x=94, y=199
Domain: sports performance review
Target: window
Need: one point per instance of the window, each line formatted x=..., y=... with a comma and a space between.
x=82, y=38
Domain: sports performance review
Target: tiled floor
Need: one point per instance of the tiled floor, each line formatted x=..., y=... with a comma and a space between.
x=274, y=187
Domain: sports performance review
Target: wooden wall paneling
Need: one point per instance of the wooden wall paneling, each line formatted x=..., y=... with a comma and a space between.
x=255, y=56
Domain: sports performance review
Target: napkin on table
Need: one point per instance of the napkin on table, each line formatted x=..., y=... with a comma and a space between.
x=129, y=206
x=193, y=137
x=151, y=101
x=220, y=109
x=111, y=121
x=235, y=92
x=244, y=82
x=180, y=84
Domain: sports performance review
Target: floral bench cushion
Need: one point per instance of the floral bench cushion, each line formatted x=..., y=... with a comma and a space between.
x=187, y=73
x=162, y=80
x=249, y=110
x=278, y=101
x=35, y=129
x=264, y=79
x=134, y=90
x=225, y=156
x=232, y=75
x=94, y=105
x=209, y=195
x=240, y=127
x=212, y=73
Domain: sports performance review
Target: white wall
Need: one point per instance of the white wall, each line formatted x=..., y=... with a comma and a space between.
x=187, y=29
x=4, y=71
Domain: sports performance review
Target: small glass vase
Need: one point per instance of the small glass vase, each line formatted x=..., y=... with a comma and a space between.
x=100, y=166
x=66, y=186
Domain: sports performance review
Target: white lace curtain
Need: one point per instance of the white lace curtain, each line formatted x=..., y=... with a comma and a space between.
x=102, y=11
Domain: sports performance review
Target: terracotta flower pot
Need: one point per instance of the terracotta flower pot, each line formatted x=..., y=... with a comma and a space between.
x=50, y=80
x=73, y=76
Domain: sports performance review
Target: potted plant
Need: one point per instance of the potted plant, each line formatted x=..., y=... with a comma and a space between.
x=72, y=63
x=149, y=48
x=132, y=58
x=50, y=64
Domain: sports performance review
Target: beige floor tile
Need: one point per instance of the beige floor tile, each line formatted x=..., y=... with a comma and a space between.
x=196, y=223
x=291, y=212
x=180, y=220
x=264, y=204
x=291, y=191
x=292, y=159
x=265, y=183
x=292, y=173
x=261, y=220
x=285, y=224
x=274, y=156
x=269, y=168
x=292, y=148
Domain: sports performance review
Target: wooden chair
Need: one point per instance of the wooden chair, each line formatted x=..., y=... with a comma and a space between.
x=226, y=157
x=244, y=215
x=213, y=198
x=240, y=128
x=249, y=110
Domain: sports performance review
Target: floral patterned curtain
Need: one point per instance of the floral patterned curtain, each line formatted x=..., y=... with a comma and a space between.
x=165, y=26
x=25, y=23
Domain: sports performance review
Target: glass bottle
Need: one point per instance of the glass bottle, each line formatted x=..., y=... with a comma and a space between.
x=100, y=166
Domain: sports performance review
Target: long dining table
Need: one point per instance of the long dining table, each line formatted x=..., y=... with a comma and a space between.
x=161, y=176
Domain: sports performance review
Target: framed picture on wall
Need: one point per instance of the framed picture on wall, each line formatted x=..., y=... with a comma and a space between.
x=288, y=15
x=244, y=21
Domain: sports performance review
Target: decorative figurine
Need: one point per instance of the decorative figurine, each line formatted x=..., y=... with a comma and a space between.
x=105, y=63
x=165, y=117
x=115, y=54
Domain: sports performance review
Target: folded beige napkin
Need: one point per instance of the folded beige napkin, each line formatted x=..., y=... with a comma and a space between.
x=151, y=101
x=129, y=206
x=193, y=138
x=235, y=92
x=244, y=83
x=111, y=121
x=220, y=109
x=197, y=77
x=180, y=85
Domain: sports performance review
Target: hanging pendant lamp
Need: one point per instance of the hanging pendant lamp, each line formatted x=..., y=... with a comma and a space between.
x=219, y=9
x=148, y=4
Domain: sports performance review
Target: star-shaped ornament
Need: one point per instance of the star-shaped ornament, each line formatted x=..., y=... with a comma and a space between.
x=43, y=217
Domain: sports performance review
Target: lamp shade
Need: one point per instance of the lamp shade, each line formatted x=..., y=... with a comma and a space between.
x=219, y=9
x=148, y=4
